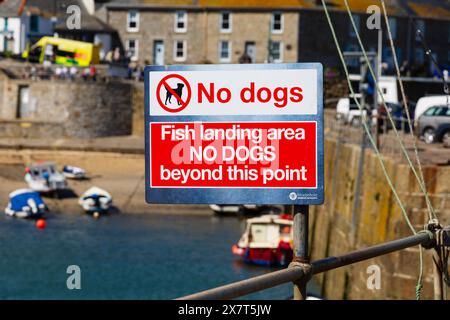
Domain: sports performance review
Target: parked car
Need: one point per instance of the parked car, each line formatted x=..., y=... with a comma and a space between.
x=443, y=134
x=398, y=114
x=396, y=111
x=424, y=103
x=429, y=124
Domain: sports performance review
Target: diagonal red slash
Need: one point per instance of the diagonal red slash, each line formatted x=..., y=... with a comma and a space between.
x=184, y=104
x=168, y=88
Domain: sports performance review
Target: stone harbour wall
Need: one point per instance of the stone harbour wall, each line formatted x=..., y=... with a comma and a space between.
x=336, y=229
x=63, y=108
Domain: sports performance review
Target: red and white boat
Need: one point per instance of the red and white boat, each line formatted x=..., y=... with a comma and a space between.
x=267, y=241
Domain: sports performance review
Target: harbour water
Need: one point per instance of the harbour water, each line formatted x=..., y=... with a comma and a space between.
x=122, y=256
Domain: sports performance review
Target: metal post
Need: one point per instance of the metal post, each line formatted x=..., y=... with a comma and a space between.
x=298, y=272
x=301, y=255
x=437, y=278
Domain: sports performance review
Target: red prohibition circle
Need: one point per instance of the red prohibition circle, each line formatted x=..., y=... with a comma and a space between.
x=184, y=103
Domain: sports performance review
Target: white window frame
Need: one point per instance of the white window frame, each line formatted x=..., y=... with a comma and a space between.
x=272, y=22
x=230, y=22
x=136, y=29
x=229, y=51
x=181, y=30
x=135, y=57
x=280, y=60
x=183, y=58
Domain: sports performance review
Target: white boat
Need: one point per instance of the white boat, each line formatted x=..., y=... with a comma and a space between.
x=244, y=210
x=45, y=177
x=72, y=172
x=267, y=241
x=95, y=201
x=25, y=203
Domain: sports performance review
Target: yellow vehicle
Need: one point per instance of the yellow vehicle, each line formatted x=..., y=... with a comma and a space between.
x=63, y=51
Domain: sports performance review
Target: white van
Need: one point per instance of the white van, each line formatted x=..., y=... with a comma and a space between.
x=425, y=103
x=347, y=111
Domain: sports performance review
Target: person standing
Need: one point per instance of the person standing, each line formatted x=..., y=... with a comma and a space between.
x=93, y=73
x=73, y=73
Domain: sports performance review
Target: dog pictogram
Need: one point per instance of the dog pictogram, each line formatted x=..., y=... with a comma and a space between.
x=181, y=93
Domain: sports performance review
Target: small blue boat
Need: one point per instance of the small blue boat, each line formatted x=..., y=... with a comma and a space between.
x=25, y=203
x=95, y=201
x=72, y=172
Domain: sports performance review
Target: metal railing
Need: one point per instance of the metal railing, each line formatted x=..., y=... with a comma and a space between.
x=300, y=271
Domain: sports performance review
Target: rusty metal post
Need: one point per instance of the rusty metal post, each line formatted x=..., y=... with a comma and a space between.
x=301, y=254
x=437, y=278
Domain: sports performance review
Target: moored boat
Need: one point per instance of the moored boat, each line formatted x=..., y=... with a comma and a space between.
x=72, y=172
x=267, y=241
x=25, y=203
x=44, y=177
x=95, y=201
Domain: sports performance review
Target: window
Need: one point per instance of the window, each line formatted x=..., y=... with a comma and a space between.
x=352, y=61
x=393, y=27
x=133, y=21
x=132, y=47
x=448, y=38
x=276, y=51
x=179, y=50
x=34, y=23
x=180, y=21
x=438, y=111
x=224, y=51
x=420, y=30
x=419, y=55
x=225, y=22
x=277, y=22
x=351, y=31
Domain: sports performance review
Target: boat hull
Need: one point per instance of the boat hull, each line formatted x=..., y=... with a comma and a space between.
x=268, y=257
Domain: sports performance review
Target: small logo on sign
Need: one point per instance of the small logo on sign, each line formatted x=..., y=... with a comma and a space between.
x=173, y=93
x=292, y=196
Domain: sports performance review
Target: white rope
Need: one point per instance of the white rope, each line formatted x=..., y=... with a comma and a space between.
x=432, y=213
x=420, y=179
x=399, y=139
x=366, y=128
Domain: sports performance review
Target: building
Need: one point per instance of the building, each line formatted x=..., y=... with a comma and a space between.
x=405, y=18
x=24, y=22
x=206, y=31
x=160, y=32
x=20, y=24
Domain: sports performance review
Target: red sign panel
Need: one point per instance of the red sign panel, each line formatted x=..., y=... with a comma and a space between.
x=233, y=154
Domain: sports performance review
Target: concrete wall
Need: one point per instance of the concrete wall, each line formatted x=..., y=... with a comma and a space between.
x=82, y=109
x=335, y=229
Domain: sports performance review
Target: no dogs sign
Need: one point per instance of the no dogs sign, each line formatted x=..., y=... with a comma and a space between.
x=231, y=134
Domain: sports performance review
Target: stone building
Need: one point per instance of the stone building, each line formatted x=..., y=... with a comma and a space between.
x=159, y=33
x=205, y=31
x=431, y=17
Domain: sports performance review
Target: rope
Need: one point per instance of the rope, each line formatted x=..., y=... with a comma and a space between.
x=420, y=179
x=366, y=128
x=442, y=262
x=431, y=213
x=419, y=284
x=399, y=139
